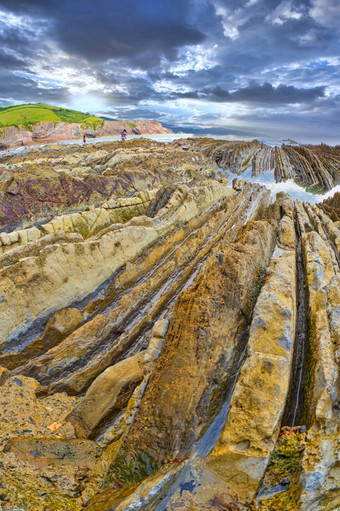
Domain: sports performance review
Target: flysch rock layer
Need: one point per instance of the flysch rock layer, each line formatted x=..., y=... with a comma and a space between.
x=151, y=322
x=315, y=484
x=314, y=166
x=211, y=316
x=41, y=183
x=70, y=365
x=320, y=478
x=62, y=273
x=242, y=452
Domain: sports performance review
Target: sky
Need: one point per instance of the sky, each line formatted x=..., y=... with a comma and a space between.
x=258, y=68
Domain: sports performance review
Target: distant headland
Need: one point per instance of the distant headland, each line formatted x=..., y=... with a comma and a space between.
x=34, y=123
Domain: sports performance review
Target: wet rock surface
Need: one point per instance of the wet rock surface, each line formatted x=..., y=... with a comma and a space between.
x=168, y=341
x=313, y=166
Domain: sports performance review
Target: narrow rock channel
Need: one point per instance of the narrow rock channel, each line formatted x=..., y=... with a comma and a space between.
x=297, y=393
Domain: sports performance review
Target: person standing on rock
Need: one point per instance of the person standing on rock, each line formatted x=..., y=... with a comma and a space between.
x=123, y=134
x=84, y=139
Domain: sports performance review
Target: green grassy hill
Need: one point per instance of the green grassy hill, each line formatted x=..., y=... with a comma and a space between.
x=28, y=115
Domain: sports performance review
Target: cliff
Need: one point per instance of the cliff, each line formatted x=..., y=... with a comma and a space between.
x=168, y=341
x=48, y=131
x=38, y=122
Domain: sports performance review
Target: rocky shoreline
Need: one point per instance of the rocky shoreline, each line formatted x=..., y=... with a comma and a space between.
x=168, y=342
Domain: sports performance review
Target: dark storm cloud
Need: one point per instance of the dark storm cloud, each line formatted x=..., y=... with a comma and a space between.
x=139, y=87
x=11, y=62
x=139, y=33
x=19, y=89
x=265, y=94
x=102, y=30
x=266, y=34
x=36, y=7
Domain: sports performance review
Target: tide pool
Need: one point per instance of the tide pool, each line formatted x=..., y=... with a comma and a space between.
x=293, y=189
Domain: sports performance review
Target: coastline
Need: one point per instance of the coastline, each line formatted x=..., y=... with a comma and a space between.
x=295, y=190
x=50, y=132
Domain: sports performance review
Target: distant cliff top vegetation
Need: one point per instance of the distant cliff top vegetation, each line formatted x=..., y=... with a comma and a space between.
x=28, y=115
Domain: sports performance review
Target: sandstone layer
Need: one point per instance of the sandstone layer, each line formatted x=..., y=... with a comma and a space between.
x=168, y=341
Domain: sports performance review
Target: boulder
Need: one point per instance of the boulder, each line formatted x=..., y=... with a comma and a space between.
x=160, y=328
x=107, y=396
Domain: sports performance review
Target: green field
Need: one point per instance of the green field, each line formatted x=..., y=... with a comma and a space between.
x=28, y=115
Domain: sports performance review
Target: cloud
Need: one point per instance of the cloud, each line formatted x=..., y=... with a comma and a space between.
x=232, y=18
x=10, y=61
x=326, y=12
x=256, y=93
x=102, y=30
x=201, y=61
x=18, y=89
x=284, y=12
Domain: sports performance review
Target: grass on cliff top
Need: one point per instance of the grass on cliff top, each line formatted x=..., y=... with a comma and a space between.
x=28, y=115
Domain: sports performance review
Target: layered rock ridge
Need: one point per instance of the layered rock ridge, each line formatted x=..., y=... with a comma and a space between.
x=316, y=167
x=241, y=453
x=167, y=341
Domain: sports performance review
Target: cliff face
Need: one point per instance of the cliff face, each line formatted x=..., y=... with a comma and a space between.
x=48, y=131
x=167, y=341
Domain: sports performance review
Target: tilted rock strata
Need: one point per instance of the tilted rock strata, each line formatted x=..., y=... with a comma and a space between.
x=40, y=183
x=319, y=473
x=161, y=372
x=87, y=223
x=331, y=207
x=242, y=452
x=61, y=274
x=89, y=350
x=313, y=166
x=315, y=484
x=214, y=309
x=58, y=327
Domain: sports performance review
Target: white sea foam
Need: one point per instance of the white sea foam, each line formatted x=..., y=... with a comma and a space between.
x=294, y=190
x=331, y=192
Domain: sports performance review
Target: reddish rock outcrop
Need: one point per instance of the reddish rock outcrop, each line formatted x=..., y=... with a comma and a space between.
x=48, y=131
